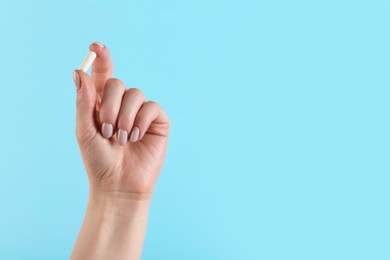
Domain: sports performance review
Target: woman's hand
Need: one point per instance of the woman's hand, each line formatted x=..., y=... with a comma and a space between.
x=122, y=136
x=123, y=140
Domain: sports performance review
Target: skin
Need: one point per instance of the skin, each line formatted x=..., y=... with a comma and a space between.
x=122, y=172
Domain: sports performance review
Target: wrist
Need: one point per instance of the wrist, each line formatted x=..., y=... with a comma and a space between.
x=113, y=221
x=118, y=203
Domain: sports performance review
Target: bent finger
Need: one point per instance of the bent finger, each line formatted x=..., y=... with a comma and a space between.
x=110, y=106
x=132, y=101
x=152, y=119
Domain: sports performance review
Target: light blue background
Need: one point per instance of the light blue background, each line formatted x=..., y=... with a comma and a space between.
x=279, y=145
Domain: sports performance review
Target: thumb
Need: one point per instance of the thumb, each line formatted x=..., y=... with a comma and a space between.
x=85, y=107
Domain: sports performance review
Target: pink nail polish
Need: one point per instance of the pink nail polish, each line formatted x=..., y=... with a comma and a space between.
x=122, y=137
x=76, y=79
x=107, y=130
x=134, y=135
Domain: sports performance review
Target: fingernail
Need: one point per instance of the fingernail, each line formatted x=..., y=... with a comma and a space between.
x=99, y=44
x=122, y=137
x=107, y=130
x=76, y=79
x=134, y=135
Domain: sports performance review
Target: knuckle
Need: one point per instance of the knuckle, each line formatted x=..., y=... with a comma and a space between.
x=153, y=104
x=134, y=92
x=114, y=82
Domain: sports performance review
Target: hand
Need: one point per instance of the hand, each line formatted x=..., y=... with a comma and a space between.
x=123, y=140
x=122, y=137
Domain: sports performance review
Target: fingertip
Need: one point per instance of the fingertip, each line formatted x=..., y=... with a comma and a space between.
x=122, y=137
x=76, y=79
x=100, y=49
x=84, y=79
x=102, y=67
x=135, y=135
x=81, y=73
x=98, y=44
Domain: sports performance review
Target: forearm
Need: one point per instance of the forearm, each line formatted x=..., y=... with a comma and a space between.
x=114, y=227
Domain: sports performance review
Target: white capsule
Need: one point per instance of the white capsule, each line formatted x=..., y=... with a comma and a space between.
x=88, y=60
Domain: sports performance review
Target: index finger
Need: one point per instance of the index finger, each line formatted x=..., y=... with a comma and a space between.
x=102, y=67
